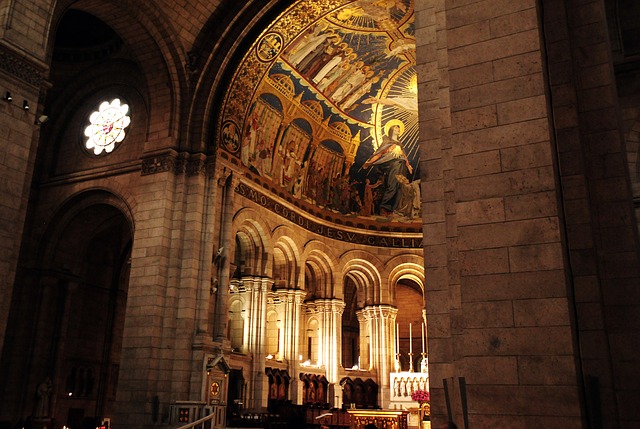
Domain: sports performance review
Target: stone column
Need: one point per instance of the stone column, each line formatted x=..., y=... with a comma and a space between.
x=382, y=320
x=227, y=183
x=330, y=342
x=60, y=291
x=291, y=332
x=365, y=340
x=149, y=336
x=209, y=282
x=197, y=192
x=255, y=338
x=331, y=337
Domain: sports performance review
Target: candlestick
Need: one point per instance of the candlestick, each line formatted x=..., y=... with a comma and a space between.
x=422, y=337
x=410, y=340
x=397, y=338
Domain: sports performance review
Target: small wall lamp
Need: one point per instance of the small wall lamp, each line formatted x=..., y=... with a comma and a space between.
x=25, y=105
x=41, y=119
x=7, y=97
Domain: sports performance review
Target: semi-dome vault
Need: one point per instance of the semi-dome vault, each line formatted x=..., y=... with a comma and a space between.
x=323, y=109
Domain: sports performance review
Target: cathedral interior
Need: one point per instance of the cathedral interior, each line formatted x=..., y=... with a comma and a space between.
x=313, y=212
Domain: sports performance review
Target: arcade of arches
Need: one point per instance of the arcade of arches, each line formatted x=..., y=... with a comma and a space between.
x=223, y=207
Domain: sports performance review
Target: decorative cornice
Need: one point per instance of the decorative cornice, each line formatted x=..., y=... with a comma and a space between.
x=179, y=163
x=20, y=67
x=159, y=164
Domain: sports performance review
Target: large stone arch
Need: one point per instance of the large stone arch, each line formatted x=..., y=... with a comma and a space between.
x=320, y=266
x=405, y=267
x=364, y=269
x=69, y=209
x=287, y=253
x=69, y=313
x=255, y=242
x=214, y=58
x=155, y=50
x=359, y=289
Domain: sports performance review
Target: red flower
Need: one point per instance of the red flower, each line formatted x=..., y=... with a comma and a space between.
x=420, y=396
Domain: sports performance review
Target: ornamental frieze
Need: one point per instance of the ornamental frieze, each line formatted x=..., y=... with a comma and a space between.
x=21, y=68
x=335, y=232
x=182, y=163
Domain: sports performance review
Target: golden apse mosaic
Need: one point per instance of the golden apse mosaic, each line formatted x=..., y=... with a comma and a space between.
x=323, y=108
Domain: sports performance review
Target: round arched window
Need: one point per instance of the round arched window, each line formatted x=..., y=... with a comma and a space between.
x=107, y=126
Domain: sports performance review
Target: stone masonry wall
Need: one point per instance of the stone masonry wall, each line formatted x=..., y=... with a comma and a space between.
x=498, y=310
x=602, y=240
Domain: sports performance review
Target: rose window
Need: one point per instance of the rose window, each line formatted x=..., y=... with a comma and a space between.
x=107, y=126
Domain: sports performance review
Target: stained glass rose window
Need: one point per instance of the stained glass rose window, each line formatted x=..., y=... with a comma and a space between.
x=107, y=126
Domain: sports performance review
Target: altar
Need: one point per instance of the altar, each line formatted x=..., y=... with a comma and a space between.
x=382, y=419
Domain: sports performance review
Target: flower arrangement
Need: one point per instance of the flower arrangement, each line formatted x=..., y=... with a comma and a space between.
x=420, y=396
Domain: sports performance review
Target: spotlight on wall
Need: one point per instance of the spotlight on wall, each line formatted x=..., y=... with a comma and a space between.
x=7, y=97
x=42, y=119
x=25, y=105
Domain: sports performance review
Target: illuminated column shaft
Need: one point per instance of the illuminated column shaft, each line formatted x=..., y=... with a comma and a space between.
x=227, y=191
x=291, y=349
x=382, y=319
x=331, y=338
x=365, y=337
x=255, y=338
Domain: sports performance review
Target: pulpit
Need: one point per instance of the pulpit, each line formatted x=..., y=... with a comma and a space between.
x=382, y=419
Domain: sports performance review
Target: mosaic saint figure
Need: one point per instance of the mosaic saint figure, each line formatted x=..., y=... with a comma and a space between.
x=309, y=46
x=406, y=196
x=368, y=201
x=390, y=160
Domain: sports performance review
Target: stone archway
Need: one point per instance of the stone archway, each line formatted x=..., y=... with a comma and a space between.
x=69, y=316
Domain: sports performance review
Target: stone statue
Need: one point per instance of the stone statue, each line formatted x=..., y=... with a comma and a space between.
x=44, y=393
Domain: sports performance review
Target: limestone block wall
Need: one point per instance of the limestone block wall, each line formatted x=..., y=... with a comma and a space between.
x=531, y=246
x=18, y=137
x=523, y=166
x=497, y=218
x=21, y=72
x=602, y=239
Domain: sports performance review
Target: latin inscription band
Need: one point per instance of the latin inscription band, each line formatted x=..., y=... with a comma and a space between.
x=326, y=231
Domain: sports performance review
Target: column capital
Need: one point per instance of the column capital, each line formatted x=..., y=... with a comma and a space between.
x=222, y=175
x=291, y=295
x=377, y=311
x=326, y=306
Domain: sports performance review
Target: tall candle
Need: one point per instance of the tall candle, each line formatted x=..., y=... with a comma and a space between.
x=410, y=340
x=422, y=337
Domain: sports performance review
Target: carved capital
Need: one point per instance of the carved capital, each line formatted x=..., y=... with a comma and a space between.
x=210, y=166
x=222, y=176
x=181, y=162
x=196, y=164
